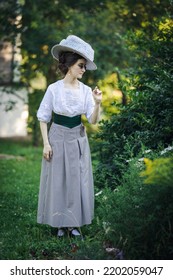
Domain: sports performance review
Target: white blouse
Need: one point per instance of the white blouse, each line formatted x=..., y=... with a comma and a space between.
x=64, y=101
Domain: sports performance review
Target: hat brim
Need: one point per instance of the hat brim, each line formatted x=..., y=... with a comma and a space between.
x=57, y=49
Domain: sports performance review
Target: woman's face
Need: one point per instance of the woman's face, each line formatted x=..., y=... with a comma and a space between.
x=78, y=69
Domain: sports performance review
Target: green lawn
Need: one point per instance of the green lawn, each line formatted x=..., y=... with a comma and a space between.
x=20, y=235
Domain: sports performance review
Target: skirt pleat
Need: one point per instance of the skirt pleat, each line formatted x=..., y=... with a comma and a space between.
x=66, y=196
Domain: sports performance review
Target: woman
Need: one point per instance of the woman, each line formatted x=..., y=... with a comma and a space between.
x=66, y=197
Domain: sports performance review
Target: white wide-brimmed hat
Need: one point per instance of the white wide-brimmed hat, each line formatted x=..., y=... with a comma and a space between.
x=76, y=45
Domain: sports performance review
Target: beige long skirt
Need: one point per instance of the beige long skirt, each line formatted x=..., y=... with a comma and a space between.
x=66, y=196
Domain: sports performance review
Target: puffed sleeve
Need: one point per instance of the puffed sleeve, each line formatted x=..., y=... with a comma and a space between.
x=44, y=112
x=90, y=104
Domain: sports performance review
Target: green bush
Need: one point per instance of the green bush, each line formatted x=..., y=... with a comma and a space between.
x=137, y=217
x=159, y=172
x=147, y=118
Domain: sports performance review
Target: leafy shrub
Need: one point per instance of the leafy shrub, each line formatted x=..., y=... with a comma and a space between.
x=137, y=217
x=147, y=118
x=159, y=172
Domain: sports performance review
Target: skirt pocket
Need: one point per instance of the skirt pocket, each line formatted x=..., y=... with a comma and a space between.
x=52, y=131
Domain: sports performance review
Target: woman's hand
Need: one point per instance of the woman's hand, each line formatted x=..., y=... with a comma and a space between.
x=47, y=152
x=97, y=94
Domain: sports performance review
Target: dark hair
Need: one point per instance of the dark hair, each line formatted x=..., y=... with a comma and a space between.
x=66, y=60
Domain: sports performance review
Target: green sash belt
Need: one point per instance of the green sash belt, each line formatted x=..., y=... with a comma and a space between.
x=69, y=122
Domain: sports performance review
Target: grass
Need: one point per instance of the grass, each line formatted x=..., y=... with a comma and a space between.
x=21, y=238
